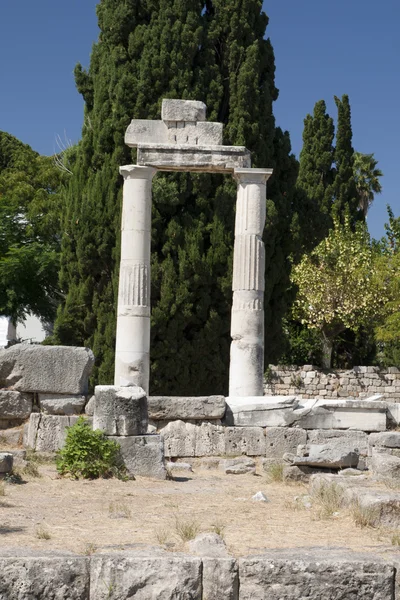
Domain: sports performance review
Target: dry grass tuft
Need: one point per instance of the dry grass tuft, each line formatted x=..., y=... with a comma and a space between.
x=162, y=535
x=275, y=472
x=89, y=549
x=328, y=498
x=119, y=510
x=187, y=529
x=364, y=516
x=42, y=533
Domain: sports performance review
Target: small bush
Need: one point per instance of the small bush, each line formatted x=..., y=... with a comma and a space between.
x=89, y=454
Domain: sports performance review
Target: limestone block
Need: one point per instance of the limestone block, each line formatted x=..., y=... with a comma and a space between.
x=244, y=440
x=357, y=440
x=120, y=410
x=89, y=408
x=179, y=439
x=193, y=134
x=210, y=440
x=61, y=404
x=311, y=574
x=279, y=440
x=170, y=408
x=335, y=455
x=342, y=414
x=6, y=462
x=145, y=576
x=143, y=455
x=15, y=405
x=385, y=466
x=47, y=433
x=300, y=474
x=238, y=466
x=145, y=131
x=11, y=437
x=220, y=579
x=387, y=439
x=46, y=369
x=263, y=411
x=181, y=157
x=183, y=110
x=24, y=576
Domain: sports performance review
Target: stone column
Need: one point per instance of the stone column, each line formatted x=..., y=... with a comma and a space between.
x=246, y=376
x=132, y=353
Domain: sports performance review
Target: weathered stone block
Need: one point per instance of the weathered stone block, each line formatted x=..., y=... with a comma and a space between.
x=144, y=577
x=238, y=466
x=385, y=466
x=6, y=462
x=15, y=405
x=263, y=411
x=46, y=369
x=279, y=440
x=171, y=408
x=143, y=455
x=358, y=440
x=295, y=574
x=244, y=440
x=335, y=455
x=342, y=414
x=386, y=439
x=11, y=437
x=24, y=576
x=183, y=110
x=174, y=157
x=120, y=410
x=61, y=404
x=220, y=579
x=47, y=433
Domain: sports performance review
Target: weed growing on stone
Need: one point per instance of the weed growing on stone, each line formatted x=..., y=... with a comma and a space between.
x=186, y=529
x=275, y=472
x=328, y=498
x=42, y=533
x=89, y=454
x=364, y=516
x=219, y=528
x=89, y=549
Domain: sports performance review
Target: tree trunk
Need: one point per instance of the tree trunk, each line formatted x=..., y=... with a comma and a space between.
x=327, y=347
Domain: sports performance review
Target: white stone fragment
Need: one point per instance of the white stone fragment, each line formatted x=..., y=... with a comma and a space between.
x=261, y=411
x=183, y=110
x=341, y=414
x=260, y=497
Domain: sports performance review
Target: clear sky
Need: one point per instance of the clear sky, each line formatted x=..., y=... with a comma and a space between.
x=322, y=49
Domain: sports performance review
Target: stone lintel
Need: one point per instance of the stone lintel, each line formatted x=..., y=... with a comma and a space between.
x=211, y=159
x=247, y=175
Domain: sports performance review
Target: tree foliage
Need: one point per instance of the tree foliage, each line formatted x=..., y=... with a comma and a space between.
x=212, y=51
x=366, y=176
x=30, y=206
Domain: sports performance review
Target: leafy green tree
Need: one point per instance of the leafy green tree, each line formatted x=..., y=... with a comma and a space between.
x=366, y=175
x=212, y=51
x=338, y=286
x=30, y=197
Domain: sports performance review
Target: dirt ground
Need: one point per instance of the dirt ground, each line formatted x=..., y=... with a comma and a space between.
x=51, y=513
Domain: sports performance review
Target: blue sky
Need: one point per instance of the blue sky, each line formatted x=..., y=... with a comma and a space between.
x=322, y=49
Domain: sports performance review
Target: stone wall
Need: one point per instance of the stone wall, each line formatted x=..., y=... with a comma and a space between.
x=311, y=382
x=153, y=573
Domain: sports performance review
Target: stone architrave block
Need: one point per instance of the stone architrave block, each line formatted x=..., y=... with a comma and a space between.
x=46, y=369
x=171, y=408
x=261, y=411
x=279, y=440
x=6, y=463
x=47, y=433
x=15, y=405
x=120, y=410
x=155, y=575
x=181, y=157
x=143, y=455
x=24, y=575
x=61, y=404
x=341, y=414
x=358, y=440
x=183, y=110
x=315, y=575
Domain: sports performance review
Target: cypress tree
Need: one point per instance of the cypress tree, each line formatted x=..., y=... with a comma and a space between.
x=147, y=51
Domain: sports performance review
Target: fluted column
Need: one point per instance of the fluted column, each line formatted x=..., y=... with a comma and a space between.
x=246, y=377
x=132, y=353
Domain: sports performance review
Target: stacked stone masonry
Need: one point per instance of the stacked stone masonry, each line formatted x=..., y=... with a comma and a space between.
x=311, y=382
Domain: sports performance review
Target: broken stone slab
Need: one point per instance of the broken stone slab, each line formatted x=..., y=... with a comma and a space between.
x=6, y=463
x=386, y=439
x=337, y=454
x=314, y=574
x=89, y=408
x=15, y=405
x=362, y=415
x=358, y=440
x=179, y=466
x=142, y=131
x=181, y=157
x=171, y=408
x=238, y=466
x=208, y=544
x=183, y=110
x=279, y=440
x=61, y=404
x=24, y=575
x=142, y=455
x=46, y=369
x=189, y=440
x=120, y=410
x=385, y=466
x=145, y=576
x=393, y=413
x=261, y=411
x=47, y=433
x=300, y=474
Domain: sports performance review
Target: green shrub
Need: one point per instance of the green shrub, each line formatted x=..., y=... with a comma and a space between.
x=89, y=454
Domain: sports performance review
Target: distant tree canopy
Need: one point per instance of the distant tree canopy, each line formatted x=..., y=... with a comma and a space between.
x=29, y=231
x=212, y=51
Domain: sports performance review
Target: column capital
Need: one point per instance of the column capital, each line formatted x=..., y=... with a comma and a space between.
x=137, y=172
x=252, y=175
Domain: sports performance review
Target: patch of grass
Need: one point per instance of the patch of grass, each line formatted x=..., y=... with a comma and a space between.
x=42, y=533
x=40, y=458
x=187, y=529
x=275, y=472
x=395, y=539
x=119, y=510
x=219, y=528
x=2, y=488
x=89, y=549
x=364, y=516
x=328, y=498
x=162, y=535
x=31, y=470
